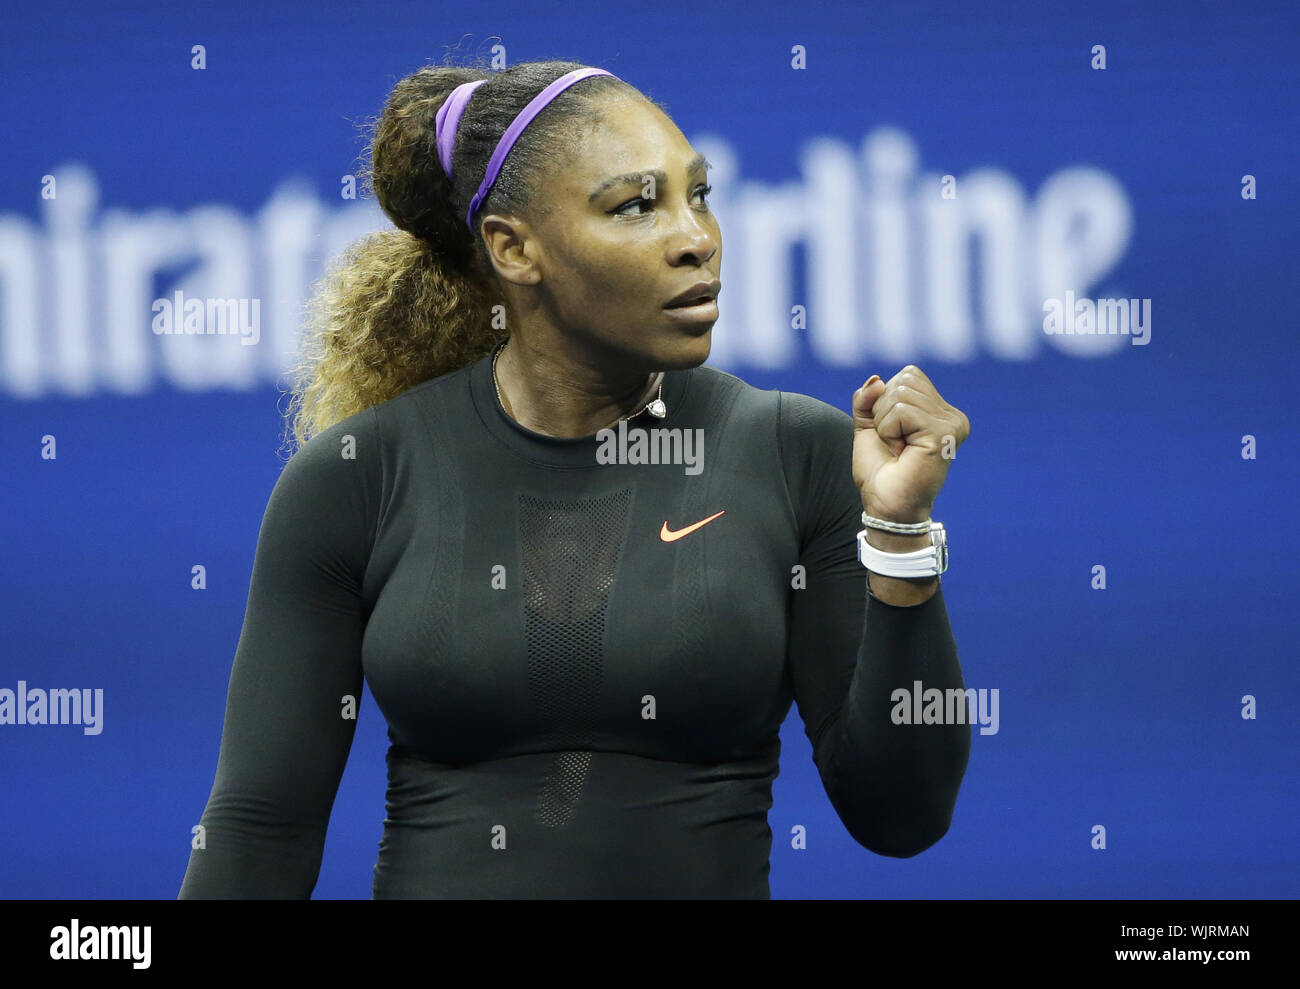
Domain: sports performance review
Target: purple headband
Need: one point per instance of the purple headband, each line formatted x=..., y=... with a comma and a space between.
x=448, y=121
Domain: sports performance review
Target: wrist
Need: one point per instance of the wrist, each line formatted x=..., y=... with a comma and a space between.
x=897, y=542
x=919, y=513
x=892, y=542
x=931, y=544
x=902, y=592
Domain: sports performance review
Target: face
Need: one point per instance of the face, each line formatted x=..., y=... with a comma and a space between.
x=627, y=228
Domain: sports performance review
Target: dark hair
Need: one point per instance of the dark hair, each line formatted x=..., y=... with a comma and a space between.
x=406, y=305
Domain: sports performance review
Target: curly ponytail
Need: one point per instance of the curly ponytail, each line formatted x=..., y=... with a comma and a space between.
x=403, y=306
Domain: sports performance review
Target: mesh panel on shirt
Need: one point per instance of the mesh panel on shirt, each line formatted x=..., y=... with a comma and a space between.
x=570, y=554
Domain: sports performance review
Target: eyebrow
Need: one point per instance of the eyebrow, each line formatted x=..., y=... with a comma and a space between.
x=637, y=178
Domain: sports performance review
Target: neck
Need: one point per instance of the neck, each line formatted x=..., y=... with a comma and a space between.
x=568, y=395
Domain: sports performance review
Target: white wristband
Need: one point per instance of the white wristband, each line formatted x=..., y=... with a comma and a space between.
x=928, y=562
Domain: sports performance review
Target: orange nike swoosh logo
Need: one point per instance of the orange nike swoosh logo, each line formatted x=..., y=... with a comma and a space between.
x=667, y=535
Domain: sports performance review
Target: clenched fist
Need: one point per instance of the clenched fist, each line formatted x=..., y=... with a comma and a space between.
x=904, y=441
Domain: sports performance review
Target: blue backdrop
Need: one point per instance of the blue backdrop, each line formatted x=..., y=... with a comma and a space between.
x=922, y=179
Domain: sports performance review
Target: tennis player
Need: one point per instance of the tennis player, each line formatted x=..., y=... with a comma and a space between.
x=584, y=575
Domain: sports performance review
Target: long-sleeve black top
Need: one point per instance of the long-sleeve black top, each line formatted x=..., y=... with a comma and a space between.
x=582, y=699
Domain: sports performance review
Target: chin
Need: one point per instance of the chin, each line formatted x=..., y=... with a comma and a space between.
x=688, y=352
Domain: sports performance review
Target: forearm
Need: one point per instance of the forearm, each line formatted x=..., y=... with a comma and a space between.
x=244, y=858
x=895, y=782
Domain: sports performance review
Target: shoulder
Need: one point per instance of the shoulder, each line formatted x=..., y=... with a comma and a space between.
x=793, y=406
x=336, y=450
x=816, y=443
x=808, y=433
x=805, y=416
x=722, y=395
x=331, y=484
x=415, y=404
x=374, y=436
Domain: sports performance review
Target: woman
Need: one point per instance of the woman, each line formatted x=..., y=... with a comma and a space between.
x=584, y=653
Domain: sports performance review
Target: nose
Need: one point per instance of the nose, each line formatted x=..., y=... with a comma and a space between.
x=695, y=243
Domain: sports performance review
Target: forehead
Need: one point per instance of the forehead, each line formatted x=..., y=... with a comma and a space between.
x=629, y=134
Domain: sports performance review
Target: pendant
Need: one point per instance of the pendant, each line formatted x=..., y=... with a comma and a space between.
x=657, y=408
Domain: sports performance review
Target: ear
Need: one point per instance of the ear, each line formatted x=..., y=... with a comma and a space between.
x=512, y=248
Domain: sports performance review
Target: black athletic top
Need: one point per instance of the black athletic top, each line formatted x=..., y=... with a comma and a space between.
x=582, y=699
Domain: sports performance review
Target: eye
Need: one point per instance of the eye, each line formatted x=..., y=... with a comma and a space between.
x=701, y=190
x=619, y=211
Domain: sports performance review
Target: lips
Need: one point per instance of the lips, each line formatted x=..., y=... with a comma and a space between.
x=698, y=293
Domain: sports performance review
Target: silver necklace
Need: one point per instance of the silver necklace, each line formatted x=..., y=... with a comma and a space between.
x=655, y=406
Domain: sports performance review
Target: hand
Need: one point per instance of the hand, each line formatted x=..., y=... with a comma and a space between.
x=904, y=441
